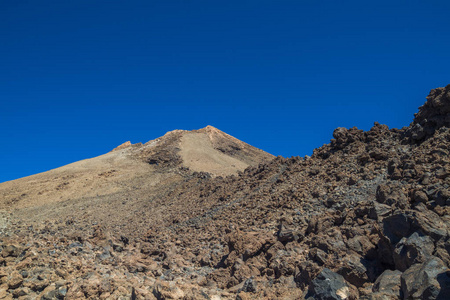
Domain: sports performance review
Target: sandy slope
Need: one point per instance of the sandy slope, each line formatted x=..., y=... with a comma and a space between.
x=199, y=155
x=102, y=175
x=98, y=184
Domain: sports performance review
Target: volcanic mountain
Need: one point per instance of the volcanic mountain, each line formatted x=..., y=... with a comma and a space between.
x=201, y=215
x=112, y=187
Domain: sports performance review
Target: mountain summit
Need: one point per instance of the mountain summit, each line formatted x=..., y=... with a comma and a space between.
x=205, y=150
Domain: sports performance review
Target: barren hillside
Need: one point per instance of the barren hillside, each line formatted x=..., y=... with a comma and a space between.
x=365, y=217
x=97, y=187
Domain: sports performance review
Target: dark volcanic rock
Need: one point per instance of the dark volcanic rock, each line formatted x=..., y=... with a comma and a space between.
x=434, y=114
x=308, y=271
x=414, y=249
x=391, y=195
x=397, y=226
x=329, y=286
x=428, y=280
x=388, y=284
x=353, y=270
x=249, y=286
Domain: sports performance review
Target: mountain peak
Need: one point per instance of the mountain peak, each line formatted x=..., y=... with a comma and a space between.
x=207, y=149
x=122, y=146
x=214, y=151
x=210, y=128
x=204, y=150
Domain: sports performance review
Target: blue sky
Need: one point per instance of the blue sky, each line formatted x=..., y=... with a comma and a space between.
x=78, y=78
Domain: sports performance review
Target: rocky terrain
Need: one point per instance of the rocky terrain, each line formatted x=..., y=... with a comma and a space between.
x=201, y=215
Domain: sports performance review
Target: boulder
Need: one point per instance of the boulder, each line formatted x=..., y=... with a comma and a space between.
x=443, y=197
x=248, y=244
x=307, y=271
x=362, y=245
x=249, y=286
x=403, y=224
x=318, y=256
x=428, y=280
x=420, y=197
x=378, y=211
x=443, y=250
x=396, y=227
x=391, y=195
x=353, y=270
x=430, y=224
x=11, y=250
x=393, y=229
x=15, y=280
x=414, y=249
x=388, y=284
x=329, y=285
x=286, y=235
x=167, y=290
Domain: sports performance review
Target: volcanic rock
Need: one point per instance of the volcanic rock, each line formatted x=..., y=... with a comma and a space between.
x=428, y=280
x=388, y=284
x=201, y=215
x=329, y=286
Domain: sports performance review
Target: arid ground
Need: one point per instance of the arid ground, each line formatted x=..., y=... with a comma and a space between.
x=201, y=215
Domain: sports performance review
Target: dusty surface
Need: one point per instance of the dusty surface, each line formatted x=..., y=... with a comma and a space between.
x=101, y=175
x=199, y=155
x=365, y=217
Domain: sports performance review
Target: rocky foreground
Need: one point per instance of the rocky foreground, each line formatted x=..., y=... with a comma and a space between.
x=365, y=217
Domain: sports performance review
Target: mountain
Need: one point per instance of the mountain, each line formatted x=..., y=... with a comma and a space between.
x=201, y=215
x=99, y=185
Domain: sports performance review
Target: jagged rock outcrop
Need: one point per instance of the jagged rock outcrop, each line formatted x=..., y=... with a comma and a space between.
x=434, y=114
x=122, y=146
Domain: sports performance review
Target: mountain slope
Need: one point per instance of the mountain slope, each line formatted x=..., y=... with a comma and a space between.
x=365, y=217
x=205, y=150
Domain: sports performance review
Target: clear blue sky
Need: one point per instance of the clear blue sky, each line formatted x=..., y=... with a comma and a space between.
x=78, y=78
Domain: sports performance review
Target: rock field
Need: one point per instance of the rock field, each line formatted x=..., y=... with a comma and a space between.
x=365, y=217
